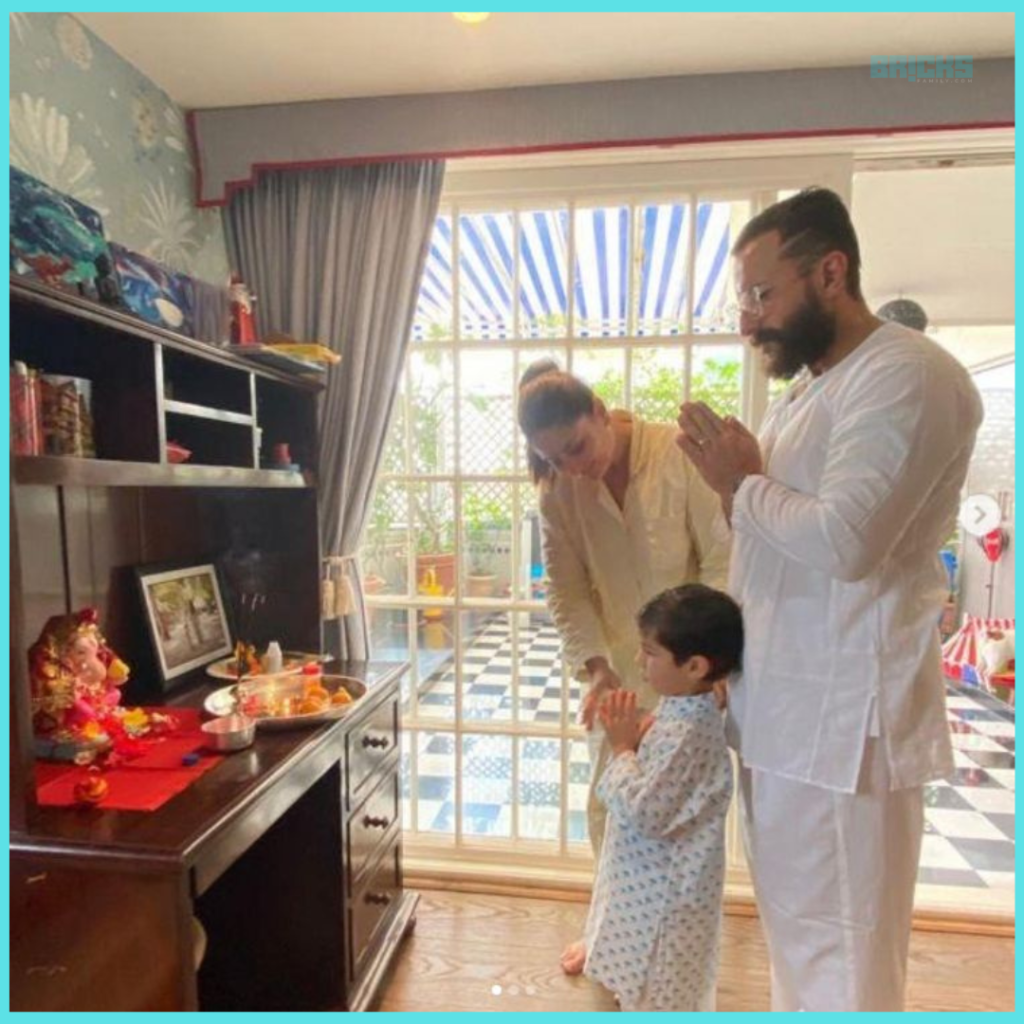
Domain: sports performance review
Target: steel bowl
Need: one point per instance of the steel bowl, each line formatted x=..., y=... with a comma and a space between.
x=232, y=732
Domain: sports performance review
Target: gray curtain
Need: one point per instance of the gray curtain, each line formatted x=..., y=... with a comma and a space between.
x=335, y=255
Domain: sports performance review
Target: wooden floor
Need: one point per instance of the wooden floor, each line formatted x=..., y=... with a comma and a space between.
x=476, y=952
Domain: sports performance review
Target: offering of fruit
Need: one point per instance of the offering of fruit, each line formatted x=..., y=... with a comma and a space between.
x=298, y=697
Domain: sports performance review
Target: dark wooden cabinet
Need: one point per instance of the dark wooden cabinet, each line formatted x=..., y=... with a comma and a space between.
x=288, y=853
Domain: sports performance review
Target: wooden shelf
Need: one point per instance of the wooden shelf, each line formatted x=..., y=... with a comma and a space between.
x=205, y=412
x=66, y=304
x=64, y=471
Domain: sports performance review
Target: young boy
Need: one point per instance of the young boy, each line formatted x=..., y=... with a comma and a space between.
x=653, y=929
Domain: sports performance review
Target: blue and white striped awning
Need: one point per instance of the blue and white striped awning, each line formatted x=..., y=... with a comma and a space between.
x=601, y=279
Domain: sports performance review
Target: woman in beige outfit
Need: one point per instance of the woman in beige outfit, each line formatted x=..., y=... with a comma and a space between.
x=623, y=517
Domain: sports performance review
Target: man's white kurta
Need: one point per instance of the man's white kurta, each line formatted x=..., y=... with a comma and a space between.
x=653, y=929
x=839, y=715
x=604, y=563
x=836, y=565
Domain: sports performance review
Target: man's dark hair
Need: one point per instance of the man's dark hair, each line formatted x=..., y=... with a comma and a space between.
x=696, y=620
x=811, y=224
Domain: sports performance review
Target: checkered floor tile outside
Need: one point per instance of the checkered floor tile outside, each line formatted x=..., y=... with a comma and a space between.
x=969, y=821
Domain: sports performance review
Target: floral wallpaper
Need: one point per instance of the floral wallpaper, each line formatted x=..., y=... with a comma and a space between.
x=88, y=123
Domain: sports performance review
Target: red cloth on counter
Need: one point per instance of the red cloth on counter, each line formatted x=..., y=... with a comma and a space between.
x=143, y=783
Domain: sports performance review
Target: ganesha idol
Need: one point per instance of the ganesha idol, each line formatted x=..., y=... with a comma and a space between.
x=76, y=680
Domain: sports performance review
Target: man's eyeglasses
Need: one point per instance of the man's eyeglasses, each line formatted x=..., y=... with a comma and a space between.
x=752, y=301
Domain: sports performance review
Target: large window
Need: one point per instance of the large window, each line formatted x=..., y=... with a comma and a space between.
x=626, y=287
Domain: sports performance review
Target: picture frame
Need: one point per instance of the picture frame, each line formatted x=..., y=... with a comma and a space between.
x=186, y=615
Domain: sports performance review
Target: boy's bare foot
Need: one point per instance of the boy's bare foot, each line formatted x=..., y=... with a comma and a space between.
x=574, y=956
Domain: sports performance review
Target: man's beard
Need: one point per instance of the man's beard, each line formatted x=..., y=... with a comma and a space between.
x=802, y=341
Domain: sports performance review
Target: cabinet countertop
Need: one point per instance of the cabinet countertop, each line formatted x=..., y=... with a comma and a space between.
x=249, y=786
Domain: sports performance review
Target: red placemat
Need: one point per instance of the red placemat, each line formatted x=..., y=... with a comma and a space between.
x=142, y=784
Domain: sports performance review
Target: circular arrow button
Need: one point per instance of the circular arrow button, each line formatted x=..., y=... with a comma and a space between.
x=980, y=514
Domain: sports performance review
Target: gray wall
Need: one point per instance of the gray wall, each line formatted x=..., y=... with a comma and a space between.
x=232, y=142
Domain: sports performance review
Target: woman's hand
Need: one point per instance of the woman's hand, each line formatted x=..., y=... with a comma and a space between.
x=603, y=680
x=618, y=714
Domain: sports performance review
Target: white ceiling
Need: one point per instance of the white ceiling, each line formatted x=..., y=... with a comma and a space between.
x=231, y=59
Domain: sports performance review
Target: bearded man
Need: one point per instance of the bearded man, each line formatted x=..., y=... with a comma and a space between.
x=838, y=512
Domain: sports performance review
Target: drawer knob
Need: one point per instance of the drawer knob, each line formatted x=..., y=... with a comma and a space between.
x=371, y=821
x=379, y=899
x=380, y=742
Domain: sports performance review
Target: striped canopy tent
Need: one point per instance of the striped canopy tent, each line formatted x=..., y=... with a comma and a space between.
x=961, y=652
x=601, y=278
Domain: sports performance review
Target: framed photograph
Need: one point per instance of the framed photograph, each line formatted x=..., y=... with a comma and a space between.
x=186, y=617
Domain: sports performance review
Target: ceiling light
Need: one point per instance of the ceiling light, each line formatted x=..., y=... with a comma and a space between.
x=471, y=19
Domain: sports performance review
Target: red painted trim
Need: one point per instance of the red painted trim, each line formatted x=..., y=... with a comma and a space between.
x=197, y=162
x=681, y=140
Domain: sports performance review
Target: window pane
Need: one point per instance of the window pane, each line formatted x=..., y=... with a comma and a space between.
x=486, y=660
x=432, y=320
x=386, y=542
x=435, y=784
x=543, y=265
x=486, y=427
x=485, y=275
x=432, y=412
x=664, y=232
x=718, y=225
x=530, y=578
x=487, y=785
x=579, y=787
x=601, y=271
x=715, y=379
x=605, y=371
x=658, y=383
x=389, y=637
x=540, y=788
x=435, y=665
x=433, y=523
x=486, y=540
x=540, y=670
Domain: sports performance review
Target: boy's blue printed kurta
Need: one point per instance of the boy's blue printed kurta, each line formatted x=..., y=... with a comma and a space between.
x=653, y=930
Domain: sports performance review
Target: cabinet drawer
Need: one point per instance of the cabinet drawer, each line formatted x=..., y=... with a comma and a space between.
x=369, y=743
x=370, y=824
x=372, y=905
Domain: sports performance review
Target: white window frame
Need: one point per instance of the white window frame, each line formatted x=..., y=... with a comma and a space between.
x=505, y=189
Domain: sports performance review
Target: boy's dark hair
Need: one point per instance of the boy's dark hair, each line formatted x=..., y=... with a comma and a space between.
x=810, y=224
x=696, y=620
